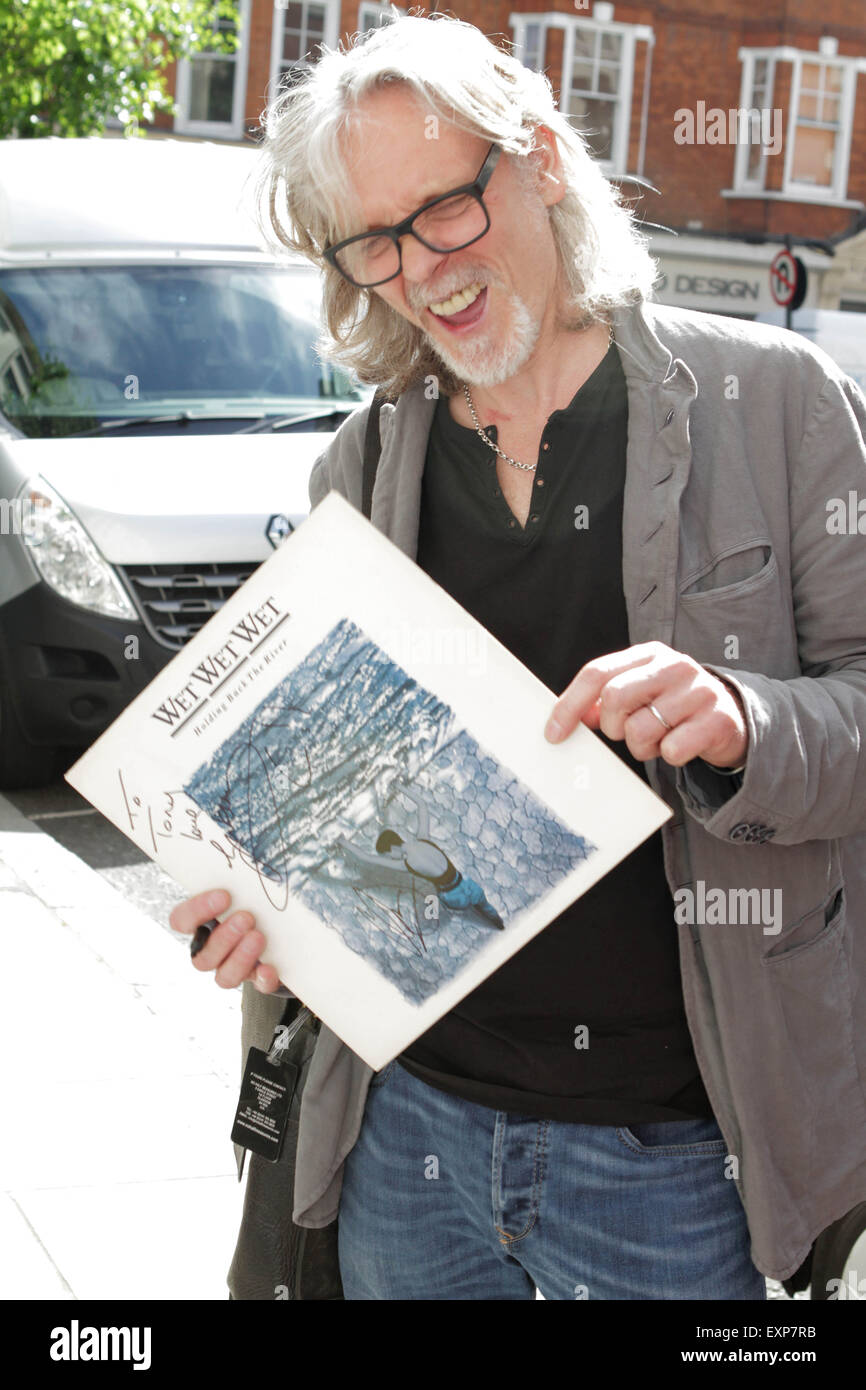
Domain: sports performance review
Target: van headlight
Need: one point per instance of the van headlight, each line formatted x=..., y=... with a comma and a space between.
x=66, y=557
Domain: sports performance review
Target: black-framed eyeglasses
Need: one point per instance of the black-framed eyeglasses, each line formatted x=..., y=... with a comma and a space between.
x=447, y=223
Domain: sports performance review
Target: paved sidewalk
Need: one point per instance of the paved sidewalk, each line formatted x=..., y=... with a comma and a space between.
x=121, y=1070
x=121, y=1066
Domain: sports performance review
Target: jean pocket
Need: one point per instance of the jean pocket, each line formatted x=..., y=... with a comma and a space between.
x=701, y=1137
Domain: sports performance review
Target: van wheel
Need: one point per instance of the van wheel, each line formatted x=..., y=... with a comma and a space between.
x=839, y=1260
x=22, y=763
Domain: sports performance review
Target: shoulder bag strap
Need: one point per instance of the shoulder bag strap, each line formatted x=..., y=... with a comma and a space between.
x=372, y=449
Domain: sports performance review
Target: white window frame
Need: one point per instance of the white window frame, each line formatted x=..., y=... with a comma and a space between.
x=227, y=130
x=521, y=25
x=329, y=37
x=750, y=57
x=372, y=12
x=838, y=185
x=631, y=35
x=836, y=191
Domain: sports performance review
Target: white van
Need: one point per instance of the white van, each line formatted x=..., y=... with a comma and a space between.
x=161, y=406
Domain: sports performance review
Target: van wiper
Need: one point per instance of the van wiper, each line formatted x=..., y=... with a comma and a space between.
x=263, y=425
x=285, y=422
x=141, y=421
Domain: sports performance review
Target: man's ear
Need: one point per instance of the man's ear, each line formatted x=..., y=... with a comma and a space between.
x=549, y=174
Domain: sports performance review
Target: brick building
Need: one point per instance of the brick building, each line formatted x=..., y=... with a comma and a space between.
x=663, y=92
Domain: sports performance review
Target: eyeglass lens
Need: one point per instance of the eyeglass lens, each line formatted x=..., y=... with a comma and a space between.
x=447, y=226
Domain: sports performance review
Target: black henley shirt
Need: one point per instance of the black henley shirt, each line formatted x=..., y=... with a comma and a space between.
x=586, y=1022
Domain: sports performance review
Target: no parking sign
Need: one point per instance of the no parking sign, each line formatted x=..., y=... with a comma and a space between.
x=788, y=280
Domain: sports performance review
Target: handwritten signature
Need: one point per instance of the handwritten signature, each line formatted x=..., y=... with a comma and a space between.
x=165, y=820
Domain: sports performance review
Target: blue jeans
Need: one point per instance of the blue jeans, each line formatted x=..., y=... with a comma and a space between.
x=446, y=1199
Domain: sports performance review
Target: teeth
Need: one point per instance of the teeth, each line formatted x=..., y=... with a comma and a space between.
x=460, y=300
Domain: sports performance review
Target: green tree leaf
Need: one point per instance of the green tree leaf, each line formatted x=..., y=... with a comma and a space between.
x=67, y=66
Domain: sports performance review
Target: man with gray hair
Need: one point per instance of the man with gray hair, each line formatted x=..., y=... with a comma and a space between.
x=632, y=1107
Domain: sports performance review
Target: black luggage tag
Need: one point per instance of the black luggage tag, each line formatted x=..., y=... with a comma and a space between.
x=267, y=1091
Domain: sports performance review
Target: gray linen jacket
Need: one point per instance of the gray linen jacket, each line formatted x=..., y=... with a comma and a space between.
x=739, y=436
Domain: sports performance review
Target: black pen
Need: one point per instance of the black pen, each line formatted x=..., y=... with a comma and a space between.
x=201, y=936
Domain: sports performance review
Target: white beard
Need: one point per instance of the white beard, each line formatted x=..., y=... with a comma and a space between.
x=481, y=362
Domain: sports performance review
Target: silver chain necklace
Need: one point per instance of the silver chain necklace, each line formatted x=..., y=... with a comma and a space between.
x=515, y=463
x=479, y=429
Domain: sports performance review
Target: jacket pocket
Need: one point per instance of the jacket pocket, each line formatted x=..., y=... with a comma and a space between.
x=731, y=572
x=748, y=623
x=810, y=931
x=811, y=1050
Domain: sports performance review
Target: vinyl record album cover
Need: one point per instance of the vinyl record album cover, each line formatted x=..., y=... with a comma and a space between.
x=363, y=767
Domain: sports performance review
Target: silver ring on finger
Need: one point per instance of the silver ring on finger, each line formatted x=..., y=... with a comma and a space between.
x=659, y=717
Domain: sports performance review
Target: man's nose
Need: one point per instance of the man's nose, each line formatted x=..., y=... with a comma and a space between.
x=419, y=262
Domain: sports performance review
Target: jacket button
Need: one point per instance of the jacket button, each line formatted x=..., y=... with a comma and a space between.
x=752, y=834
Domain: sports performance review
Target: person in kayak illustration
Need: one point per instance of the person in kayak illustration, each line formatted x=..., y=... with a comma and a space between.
x=422, y=857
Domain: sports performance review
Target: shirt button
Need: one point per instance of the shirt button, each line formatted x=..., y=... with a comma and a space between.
x=540, y=482
x=534, y=516
x=512, y=523
x=545, y=445
x=497, y=492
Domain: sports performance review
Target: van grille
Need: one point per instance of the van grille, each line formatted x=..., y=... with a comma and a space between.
x=176, y=601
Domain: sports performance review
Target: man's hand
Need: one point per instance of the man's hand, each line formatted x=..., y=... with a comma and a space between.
x=233, y=948
x=614, y=693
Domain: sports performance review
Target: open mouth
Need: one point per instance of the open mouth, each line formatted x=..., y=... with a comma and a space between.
x=462, y=309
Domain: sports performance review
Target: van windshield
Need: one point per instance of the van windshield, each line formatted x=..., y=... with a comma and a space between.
x=84, y=345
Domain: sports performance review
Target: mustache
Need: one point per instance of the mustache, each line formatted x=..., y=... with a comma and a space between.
x=422, y=299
